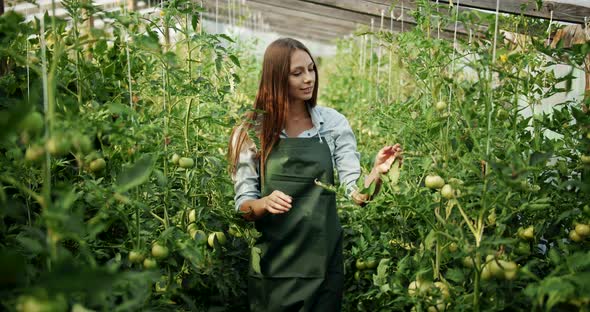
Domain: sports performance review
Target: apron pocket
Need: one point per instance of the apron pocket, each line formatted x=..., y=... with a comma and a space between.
x=291, y=178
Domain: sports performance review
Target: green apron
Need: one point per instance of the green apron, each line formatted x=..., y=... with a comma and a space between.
x=297, y=263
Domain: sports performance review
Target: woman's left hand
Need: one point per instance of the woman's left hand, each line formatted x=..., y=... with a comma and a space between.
x=386, y=156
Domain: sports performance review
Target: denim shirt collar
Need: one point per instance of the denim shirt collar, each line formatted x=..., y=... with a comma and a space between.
x=316, y=119
x=316, y=116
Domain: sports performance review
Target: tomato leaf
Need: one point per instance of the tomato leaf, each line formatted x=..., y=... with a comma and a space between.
x=195, y=21
x=226, y=37
x=449, y=208
x=430, y=240
x=380, y=279
x=370, y=190
x=394, y=173
x=539, y=157
x=456, y=275
x=136, y=174
x=2, y=194
x=218, y=62
x=256, y=259
x=30, y=244
x=235, y=60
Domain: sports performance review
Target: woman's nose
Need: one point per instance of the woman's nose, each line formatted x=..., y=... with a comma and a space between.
x=309, y=77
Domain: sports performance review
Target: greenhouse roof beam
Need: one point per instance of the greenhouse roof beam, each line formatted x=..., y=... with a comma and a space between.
x=322, y=12
x=328, y=21
x=312, y=34
x=375, y=7
x=572, y=11
x=288, y=17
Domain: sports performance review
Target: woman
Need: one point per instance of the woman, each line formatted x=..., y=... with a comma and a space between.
x=285, y=144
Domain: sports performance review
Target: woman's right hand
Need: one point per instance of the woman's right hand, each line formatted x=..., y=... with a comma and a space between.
x=277, y=202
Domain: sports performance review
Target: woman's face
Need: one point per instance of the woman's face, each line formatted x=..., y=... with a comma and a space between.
x=301, y=76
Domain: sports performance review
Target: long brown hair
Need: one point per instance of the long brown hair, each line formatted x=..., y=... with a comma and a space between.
x=267, y=119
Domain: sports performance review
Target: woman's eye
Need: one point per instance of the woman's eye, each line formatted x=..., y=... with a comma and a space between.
x=296, y=74
x=312, y=69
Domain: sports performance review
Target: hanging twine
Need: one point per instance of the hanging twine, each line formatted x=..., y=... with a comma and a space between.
x=491, y=78
x=454, y=53
x=549, y=28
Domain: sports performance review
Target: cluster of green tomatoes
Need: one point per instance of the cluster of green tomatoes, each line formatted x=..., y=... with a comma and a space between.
x=364, y=266
x=59, y=144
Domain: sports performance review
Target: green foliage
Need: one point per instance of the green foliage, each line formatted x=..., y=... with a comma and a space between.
x=68, y=225
x=508, y=170
x=124, y=102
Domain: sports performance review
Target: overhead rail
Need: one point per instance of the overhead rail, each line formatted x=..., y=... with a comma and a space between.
x=326, y=20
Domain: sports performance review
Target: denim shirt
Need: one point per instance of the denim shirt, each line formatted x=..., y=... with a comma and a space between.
x=328, y=125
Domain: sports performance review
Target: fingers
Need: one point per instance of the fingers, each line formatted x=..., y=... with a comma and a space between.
x=390, y=149
x=278, y=202
x=283, y=197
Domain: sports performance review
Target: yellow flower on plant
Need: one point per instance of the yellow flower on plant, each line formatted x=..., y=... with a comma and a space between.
x=503, y=58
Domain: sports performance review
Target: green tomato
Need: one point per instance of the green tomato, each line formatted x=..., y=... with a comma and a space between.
x=440, y=106
x=357, y=275
x=192, y=229
x=97, y=165
x=527, y=234
x=34, y=304
x=412, y=288
x=175, y=158
x=149, y=263
x=486, y=273
x=360, y=264
x=434, y=182
x=494, y=267
x=211, y=240
x=582, y=229
x=77, y=307
x=522, y=249
x=574, y=236
x=453, y=247
x=444, y=290
x=159, y=251
x=372, y=263
x=32, y=123
x=57, y=146
x=82, y=143
x=501, y=114
x=447, y=191
x=468, y=262
x=219, y=236
x=440, y=306
x=200, y=237
x=34, y=153
x=136, y=256
x=192, y=215
x=186, y=162
x=510, y=268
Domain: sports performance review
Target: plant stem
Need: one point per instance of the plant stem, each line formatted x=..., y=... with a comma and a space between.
x=476, y=282
x=186, y=120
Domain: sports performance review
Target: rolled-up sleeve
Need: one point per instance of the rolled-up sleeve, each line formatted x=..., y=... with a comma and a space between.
x=346, y=156
x=246, y=177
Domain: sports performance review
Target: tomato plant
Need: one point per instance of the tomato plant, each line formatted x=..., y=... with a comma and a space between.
x=492, y=187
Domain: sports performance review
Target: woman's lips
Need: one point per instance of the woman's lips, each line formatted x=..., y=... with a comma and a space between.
x=307, y=90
